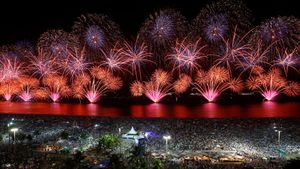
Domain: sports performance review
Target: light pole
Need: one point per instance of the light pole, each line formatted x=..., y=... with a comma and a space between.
x=120, y=130
x=167, y=138
x=279, y=134
x=146, y=134
x=14, y=130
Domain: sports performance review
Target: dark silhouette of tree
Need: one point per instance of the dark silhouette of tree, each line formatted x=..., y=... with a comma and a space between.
x=157, y=164
x=115, y=162
x=293, y=164
x=64, y=135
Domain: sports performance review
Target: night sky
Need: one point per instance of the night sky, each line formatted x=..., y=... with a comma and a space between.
x=27, y=20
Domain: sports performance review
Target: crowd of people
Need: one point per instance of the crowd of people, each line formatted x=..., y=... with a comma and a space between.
x=253, y=138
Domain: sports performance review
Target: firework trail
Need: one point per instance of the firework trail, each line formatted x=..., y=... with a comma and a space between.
x=254, y=60
x=137, y=56
x=42, y=64
x=75, y=64
x=160, y=85
x=10, y=68
x=114, y=60
x=287, y=59
x=156, y=88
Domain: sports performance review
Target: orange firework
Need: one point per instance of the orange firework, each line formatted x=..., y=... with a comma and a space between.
x=215, y=81
x=292, y=89
x=182, y=84
x=137, y=88
x=156, y=92
x=56, y=86
x=271, y=84
x=27, y=84
x=100, y=73
x=78, y=85
x=40, y=93
x=136, y=56
x=159, y=85
x=9, y=88
x=113, y=83
x=160, y=77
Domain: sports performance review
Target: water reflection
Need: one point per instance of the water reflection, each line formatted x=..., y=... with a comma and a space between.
x=182, y=111
x=151, y=110
x=157, y=110
x=210, y=110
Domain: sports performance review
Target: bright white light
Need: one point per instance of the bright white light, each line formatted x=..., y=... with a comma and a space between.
x=146, y=134
x=168, y=137
x=14, y=129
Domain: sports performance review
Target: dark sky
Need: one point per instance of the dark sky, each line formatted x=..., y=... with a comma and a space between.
x=26, y=20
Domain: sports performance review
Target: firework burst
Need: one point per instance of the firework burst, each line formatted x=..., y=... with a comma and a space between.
x=218, y=20
x=56, y=86
x=75, y=64
x=9, y=88
x=136, y=55
x=210, y=84
x=114, y=60
x=159, y=86
x=161, y=30
x=137, y=88
x=235, y=48
x=254, y=60
x=94, y=90
x=42, y=64
x=96, y=31
x=182, y=84
x=57, y=42
x=10, y=68
x=186, y=56
x=271, y=84
x=287, y=60
x=284, y=31
x=27, y=85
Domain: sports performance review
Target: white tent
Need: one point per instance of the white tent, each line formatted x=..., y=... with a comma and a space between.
x=133, y=135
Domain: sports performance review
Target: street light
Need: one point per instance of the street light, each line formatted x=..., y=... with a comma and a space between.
x=14, y=130
x=146, y=134
x=167, y=138
x=120, y=130
x=278, y=131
